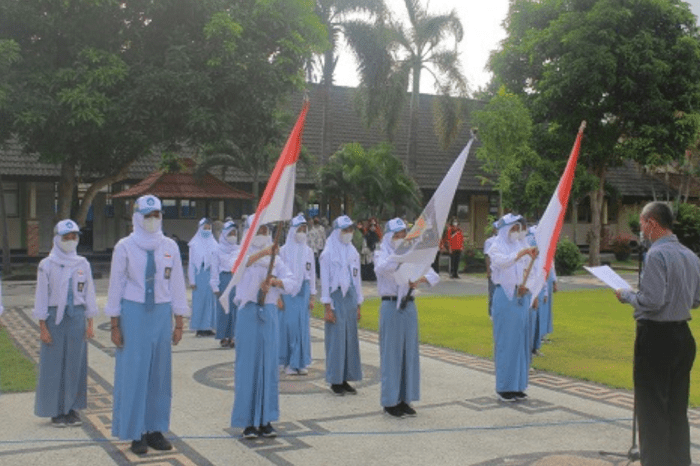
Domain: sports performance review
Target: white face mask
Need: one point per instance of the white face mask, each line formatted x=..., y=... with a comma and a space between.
x=68, y=246
x=514, y=236
x=523, y=235
x=260, y=241
x=232, y=239
x=345, y=238
x=151, y=224
x=395, y=242
x=300, y=237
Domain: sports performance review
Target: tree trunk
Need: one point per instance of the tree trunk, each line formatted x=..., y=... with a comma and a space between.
x=597, y=198
x=92, y=191
x=412, y=149
x=6, y=266
x=66, y=186
x=574, y=220
x=326, y=85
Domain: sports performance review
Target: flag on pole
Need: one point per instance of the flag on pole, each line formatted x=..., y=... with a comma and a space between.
x=277, y=201
x=417, y=250
x=549, y=228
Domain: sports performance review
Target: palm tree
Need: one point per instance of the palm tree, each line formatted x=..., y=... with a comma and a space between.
x=333, y=14
x=391, y=55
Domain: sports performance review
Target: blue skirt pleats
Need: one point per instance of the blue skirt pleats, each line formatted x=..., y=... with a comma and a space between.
x=512, y=336
x=256, y=376
x=341, y=342
x=142, y=373
x=62, y=383
x=203, y=303
x=295, y=337
x=398, y=353
x=225, y=323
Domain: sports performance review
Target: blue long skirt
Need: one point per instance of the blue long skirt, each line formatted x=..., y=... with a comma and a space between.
x=142, y=372
x=512, y=336
x=256, y=381
x=225, y=323
x=203, y=303
x=546, y=318
x=341, y=342
x=398, y=353
x=536, y=320
x=62, y=383
x=295, y=336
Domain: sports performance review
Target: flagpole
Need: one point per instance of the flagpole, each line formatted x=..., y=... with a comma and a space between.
x=262, y=294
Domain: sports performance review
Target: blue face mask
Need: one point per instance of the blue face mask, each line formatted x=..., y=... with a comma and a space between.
x=206, y=233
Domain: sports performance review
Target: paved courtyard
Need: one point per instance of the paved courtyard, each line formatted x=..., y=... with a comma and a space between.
x=459, y=422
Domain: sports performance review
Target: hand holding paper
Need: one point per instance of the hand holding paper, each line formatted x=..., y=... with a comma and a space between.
x=608, y=276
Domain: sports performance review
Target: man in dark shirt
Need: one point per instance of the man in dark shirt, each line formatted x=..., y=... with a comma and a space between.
x=664, y=349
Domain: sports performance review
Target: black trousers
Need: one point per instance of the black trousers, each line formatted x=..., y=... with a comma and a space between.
x=663, y=357
x=454, y=262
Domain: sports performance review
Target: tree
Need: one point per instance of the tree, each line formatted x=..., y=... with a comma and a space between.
x=9, y=54
x=392, y=55
x=629, y=68
x=103, y=83
x=374, y=182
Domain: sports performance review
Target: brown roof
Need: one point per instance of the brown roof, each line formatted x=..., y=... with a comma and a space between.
x=184, y=185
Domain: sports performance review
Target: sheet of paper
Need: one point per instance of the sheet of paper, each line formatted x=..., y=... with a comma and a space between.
x=608, y=276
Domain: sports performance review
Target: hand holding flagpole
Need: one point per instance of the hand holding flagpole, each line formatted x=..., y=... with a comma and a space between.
x=273, y=254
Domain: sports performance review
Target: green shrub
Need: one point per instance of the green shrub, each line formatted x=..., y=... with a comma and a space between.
x=621, y=246
x=687, y=226
x=568, y=258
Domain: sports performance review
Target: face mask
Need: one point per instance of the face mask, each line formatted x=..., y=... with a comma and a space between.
x=68, y=246
x=395, y=242
x=151, y=224
x=514, y=236
x=206, y=233
x=345, y=238
x=232, y=239
x=260, y=241
x=300, y=238
x=454, y=224
x=523, y=235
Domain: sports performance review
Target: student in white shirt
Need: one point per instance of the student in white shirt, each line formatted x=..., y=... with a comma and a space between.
x=341, y=294
x=295, y=337
x=398, y=327
x=256, y=382
x=146, y=287
x=65, y=301
x=199, y=270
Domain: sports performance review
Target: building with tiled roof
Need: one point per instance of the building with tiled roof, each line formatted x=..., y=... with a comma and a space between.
x=30, y=185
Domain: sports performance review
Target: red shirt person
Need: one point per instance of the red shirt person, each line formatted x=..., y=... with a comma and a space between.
x=455, y=244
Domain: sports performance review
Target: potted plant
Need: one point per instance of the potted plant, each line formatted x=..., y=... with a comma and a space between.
x=621, y=246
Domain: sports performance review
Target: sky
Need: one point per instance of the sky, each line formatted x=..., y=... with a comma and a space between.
x=482, y=21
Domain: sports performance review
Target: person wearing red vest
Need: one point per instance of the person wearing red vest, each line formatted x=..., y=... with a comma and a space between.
x=455, y=244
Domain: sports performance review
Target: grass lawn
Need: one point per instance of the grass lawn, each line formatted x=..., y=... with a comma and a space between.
x=593, y=335
x=17, y=373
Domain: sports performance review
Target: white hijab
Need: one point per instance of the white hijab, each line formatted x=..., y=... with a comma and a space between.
x=387, y=247
x=59, y=282
x=340, y=256
x=503, y=244
x=201, y=248
x=226, y=251
x=144, y=239
x=292, y=253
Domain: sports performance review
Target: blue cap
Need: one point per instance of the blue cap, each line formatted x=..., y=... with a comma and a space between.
x=299, y=220
x=343, y=222
x=507, y=219
x=395, y=224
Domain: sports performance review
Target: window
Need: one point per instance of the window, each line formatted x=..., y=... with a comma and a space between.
x=169, y=208
x=11, y=193
x=188, y=208
x=584, y=211
x=463, y=211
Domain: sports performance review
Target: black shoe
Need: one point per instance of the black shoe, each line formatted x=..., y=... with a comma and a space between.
x=140, y=447
x=73, y=419
x=508, y=397
x=347, y=388
x=268, y=431
x=337, y=389
x=250, y=432
x=156, y=441
x=59, y=421
x=200, y=333
x=407, y=410
x=520, y=395
x=394, y=411
x=209, y=333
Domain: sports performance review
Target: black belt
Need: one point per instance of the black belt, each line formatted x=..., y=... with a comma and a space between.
x=661, y=323
x=394, y=298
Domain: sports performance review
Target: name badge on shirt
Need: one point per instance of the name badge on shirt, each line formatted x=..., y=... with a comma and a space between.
x=354, y=272
x=81, y=285
x=166, y=272
x=308, y=266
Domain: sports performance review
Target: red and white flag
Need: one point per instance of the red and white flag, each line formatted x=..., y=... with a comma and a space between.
x=549, y=228
x=277, y=201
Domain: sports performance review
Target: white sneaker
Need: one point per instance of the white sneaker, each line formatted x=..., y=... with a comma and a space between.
x=303, y=371
x=289, y=371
